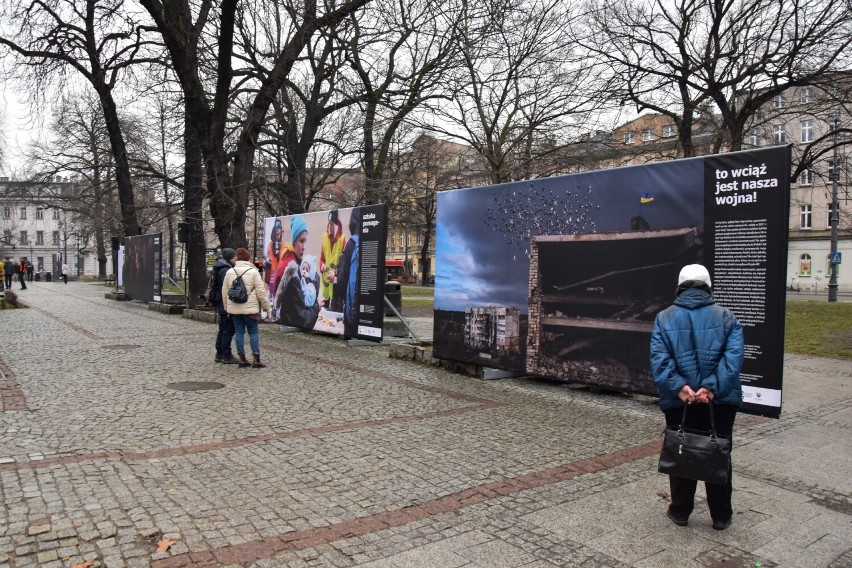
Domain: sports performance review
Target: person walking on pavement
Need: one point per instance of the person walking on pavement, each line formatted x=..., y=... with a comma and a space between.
x=3, y=275
x=65, y=271
x=224, y=354
x=30, y=271
x=697, y=352
x=22, y=273
x=246, y=315
x=11, y=268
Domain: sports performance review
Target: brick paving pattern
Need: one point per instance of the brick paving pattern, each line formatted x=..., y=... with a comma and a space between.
x=341, y=456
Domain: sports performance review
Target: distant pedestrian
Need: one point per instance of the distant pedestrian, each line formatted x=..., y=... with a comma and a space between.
x=3, y=275
x=224, y=354
x=246, y=316
x=22, y=273
x=696, y=355
x=30, y=271
x=65, y=271
x=11, y=268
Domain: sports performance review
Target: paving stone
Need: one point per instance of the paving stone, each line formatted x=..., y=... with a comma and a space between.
x=364, y=460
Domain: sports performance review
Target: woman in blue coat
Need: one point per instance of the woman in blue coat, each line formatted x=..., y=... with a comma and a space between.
x=696, y=358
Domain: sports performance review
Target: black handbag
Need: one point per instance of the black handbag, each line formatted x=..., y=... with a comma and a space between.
x=692, y=455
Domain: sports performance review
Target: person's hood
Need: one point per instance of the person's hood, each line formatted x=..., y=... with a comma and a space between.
x=693, y=298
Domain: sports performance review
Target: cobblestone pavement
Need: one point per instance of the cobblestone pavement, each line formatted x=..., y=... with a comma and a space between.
x=340, y=456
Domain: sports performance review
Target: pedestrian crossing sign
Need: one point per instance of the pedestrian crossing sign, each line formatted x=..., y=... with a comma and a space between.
x=835, y=258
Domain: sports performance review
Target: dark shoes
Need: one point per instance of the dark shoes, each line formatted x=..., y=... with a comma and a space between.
x=720, y=525
x=256, y=364
x=680, y=522
x=218, y=358
x=228, y=360
x=241, y=361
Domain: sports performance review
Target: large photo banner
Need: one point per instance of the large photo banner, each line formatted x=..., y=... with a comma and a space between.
x=325, y=270
x=562, y=277
x=141, y=271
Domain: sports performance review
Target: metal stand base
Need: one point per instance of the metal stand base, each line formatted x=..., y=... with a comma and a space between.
x=489, y=374
x=384, y=341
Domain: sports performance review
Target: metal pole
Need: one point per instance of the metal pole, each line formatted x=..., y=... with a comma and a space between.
x=835, y=216
x=254, y=236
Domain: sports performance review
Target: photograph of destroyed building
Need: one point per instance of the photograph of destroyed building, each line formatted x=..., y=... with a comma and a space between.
x=593, y=299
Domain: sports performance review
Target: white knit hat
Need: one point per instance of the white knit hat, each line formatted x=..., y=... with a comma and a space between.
x=694, y=272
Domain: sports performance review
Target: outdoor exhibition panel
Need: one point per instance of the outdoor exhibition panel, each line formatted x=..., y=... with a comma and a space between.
x=325, y=270
x=562, y=277
x=141, y=271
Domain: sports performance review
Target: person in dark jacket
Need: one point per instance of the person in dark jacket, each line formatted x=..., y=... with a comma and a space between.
x=347, y=281
x=696, y=356
x=224, y=354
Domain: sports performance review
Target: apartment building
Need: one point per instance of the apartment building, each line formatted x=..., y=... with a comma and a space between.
x=804, y=117
x=34, y=227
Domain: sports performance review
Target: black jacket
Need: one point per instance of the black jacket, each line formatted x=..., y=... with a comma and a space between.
x=220, y=267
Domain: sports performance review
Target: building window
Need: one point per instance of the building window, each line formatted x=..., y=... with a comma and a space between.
x=23, y=213
x=39, y=213
x=778, y=101
x=40, y=262
x=779, y=134
x=754, y=139
x=805, y=265
x=7, y=236
x=807, y=131
x=39, y=237
x=56, y=214
x=806, y=177
x=805, y=216
x=669, y=131
x=829, y=210
x=24, y=238
x=647, y=135
x=629, y=138
x=7, y=212
x=805, y=95
x=56, y=237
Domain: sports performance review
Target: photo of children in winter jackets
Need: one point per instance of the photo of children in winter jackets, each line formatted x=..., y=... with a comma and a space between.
x=311, y=266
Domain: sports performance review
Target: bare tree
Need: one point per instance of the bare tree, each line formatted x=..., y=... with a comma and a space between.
x=161, y=165
x=400, y=53
x=517, y=81
x=79, y=147
x=430, y=166
x=230, y=173
x=730, y=57
x=98, y=40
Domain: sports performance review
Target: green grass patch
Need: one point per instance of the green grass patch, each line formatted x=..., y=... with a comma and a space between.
x=417, y=302
x=417, y=292
x=819, y=328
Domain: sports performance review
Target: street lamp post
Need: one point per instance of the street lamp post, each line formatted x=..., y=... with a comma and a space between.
x=835, y=215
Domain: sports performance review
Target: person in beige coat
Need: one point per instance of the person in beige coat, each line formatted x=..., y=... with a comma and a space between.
x=246, y=316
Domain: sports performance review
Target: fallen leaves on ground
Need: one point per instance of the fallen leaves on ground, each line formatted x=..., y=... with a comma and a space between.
x=164, y=545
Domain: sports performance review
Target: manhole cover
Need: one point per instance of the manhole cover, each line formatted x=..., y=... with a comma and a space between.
x=120, y=346
x=195, y=386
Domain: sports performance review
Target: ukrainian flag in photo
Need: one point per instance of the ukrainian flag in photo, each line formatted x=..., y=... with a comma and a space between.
x=646, y=197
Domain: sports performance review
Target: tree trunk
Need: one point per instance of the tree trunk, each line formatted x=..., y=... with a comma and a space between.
x=122, y=164
x=196, y=248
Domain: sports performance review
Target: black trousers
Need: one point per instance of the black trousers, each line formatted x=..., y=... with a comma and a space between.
x=683, y=490
x=21, y=279
x=225, y=335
